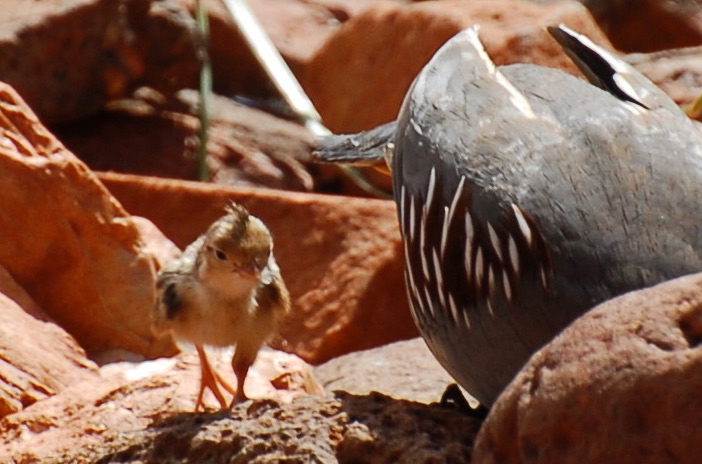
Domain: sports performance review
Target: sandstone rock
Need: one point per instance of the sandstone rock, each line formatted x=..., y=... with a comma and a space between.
x=403, y=370
x=154, y=136
x=37, y=358
x=649, y=25
x=359, y=78
x=138, y=404
x=620, y=385
x=298, y=29
x=134, y=425
x=68, y=243
x=155, y=243
x=340, y=257
x=11, y=289
x=678, y=71
x=68, y=58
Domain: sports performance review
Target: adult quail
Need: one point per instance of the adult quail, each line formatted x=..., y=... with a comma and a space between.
x=226, y=289
x=526, y=196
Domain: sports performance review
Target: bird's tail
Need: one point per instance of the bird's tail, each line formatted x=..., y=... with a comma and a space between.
x=367, y=148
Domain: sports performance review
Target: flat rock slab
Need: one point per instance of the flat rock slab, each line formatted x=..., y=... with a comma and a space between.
x=126, y=402
x=403, y=370
x=343, y=429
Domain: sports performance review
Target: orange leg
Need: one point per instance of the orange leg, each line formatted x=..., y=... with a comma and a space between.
x=241, y=362
x=209, y=378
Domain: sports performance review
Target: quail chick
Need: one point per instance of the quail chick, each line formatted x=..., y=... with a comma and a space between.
x=225, y=289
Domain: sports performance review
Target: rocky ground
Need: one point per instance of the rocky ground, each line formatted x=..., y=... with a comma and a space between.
x=98, y=135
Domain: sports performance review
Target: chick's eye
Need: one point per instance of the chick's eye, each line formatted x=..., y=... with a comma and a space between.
x=220, y=255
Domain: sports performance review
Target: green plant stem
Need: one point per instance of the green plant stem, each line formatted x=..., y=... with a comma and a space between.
x=203, y=25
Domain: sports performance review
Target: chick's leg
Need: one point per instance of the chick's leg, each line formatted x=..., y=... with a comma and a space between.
x=241, y=362
x=209, y=378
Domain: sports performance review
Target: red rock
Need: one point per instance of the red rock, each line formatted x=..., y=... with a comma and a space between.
x=132, y=399
x=298, y=29
x=649, y=25
x=68, y=58
x=141, y=413
x=69, y=243
x=620, y=385
x=359, y=78
x=678, y=72
x=11, y=289
x=153, y=135
x=402, y=370
x=39, y=359
x=341, y=257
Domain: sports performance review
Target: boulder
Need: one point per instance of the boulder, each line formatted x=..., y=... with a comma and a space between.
x=68, y=243
x=648, y=25
x=360, y=76
x=135, y=405
x=68, y=58
x=620, y=385
x=155, y=135
x=403, y=370
x=38, y=358
x=677, y=71
x=297, y=28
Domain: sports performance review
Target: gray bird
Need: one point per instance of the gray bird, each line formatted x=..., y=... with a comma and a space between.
x=526, y=196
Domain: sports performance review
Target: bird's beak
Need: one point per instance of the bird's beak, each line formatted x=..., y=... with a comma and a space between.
x=251, y=271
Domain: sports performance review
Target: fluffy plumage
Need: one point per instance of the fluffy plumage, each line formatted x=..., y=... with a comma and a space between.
x=226, y=289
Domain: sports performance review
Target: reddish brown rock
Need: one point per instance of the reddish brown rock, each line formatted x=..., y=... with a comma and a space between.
x=340, y=257
x=141, y=413
x=93, y=417
x=68, y=58
x=403, y=370
x=649, y=25
x=298, y=29
x=11, y=289
x=152, y=135
x=359, y=78
x=38, y=359
x=620, y=385
x=678, y=71
x=67, y=241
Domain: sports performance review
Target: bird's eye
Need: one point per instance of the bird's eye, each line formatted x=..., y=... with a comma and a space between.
x=220, y=255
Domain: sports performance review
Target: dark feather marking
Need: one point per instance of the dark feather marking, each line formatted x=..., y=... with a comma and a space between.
x=172, y=300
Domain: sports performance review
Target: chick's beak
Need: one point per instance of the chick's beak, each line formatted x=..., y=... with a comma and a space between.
x=250, y=271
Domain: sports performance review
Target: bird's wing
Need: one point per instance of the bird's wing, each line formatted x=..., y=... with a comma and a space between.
x=272, y=294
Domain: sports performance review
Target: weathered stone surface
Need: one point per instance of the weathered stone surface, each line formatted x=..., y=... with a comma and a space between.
x=67, y=241
x=403, y=370
x=620, y=385
x=678, y=71
x=68, y=58
x=298, y=29
x=359, y=78
x=131, y=408
x=11, y=289
x=341, y=258
x=155, y=136
x=37, y=358
x=344, y=429
x=649, y=25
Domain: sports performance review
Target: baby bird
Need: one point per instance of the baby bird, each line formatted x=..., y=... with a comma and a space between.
x=225, y=289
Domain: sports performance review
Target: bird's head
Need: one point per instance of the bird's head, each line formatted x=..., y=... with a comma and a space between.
x=236, y=250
